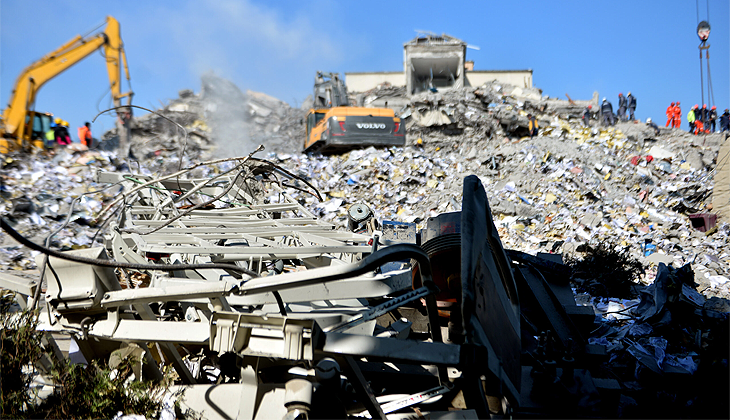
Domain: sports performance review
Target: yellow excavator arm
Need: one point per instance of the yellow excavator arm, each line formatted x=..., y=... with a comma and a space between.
x=34, y=76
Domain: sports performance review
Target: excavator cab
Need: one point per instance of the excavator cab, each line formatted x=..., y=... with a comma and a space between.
x=313, y=118
x=41, y=124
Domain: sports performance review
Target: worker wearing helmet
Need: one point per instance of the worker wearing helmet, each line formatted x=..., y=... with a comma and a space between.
x=704, y=116
x=653, y=125
x=712, y=118
x=586, y=117
x=631, y=103
x=691, y=119
x=725, y=121
x=49, y=140
x=621, y=107
x=63, y=138
x=607, y=112
x=699, y=124
x=677, y=120
x=670, y=114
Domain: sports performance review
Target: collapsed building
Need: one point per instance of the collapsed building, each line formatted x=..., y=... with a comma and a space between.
x=436, y=62
x=422, y=281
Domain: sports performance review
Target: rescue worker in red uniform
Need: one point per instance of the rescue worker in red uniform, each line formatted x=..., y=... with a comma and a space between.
x=670, y=115
x=677, y=122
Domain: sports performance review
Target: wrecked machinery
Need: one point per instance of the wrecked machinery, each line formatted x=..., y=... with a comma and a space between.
x=265, y=311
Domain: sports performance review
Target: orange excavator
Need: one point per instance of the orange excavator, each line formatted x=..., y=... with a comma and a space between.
x=23, y=128
x=335, y=126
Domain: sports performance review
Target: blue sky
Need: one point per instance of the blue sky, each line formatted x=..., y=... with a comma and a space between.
x=573, y=47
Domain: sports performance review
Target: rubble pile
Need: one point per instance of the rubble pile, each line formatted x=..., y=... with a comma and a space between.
x=491, y=109
x=384, y=95
x=219, y=121
x=41, y=194
x=548, y=194
x=572, y=187
x=667, y=346
x=569, y=185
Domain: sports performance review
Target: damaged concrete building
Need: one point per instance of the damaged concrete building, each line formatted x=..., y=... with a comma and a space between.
x=438, y=62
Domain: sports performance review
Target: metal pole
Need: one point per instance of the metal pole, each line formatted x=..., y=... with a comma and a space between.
x=702, y=82
x=710, y=95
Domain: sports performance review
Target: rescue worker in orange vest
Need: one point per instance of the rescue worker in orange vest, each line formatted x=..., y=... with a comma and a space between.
x=85, y=135
x=670, y=115
x=677, y=122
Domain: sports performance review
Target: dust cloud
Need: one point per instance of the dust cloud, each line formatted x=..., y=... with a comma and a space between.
x=227, y=115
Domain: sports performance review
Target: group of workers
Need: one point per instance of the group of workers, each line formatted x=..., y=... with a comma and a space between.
x=674, y=115
x=625, y=103
x=703, y=120
x=59, y=136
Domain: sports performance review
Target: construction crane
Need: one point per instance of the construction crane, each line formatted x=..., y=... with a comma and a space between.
x=21, y=127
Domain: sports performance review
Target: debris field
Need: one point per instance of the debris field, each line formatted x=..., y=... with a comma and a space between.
x=354, y=285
